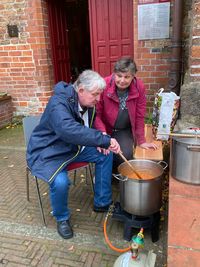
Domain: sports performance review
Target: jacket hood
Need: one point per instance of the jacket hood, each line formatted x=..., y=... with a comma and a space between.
x=63, y=89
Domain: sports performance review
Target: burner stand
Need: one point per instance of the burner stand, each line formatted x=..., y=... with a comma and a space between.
x=133, y=221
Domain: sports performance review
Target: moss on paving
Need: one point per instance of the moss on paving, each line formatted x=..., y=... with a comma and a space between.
x=12, y=135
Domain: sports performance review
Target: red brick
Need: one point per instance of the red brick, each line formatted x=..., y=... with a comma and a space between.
x=27, y=53
x=148, y=80
x=149, y=68
x=162, y=80
x=148, y=56
x=195, y=70
x=157, y=62
x=159, y=74
x=11, y=47
x=195, y=51
x=4, y=65
x=23, y=104
x=15, y=53
x=143, y=74
x=25, y=59
x=2, y=54
x=162, y=67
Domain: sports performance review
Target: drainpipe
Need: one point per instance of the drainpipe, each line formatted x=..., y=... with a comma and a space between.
x=174, y=82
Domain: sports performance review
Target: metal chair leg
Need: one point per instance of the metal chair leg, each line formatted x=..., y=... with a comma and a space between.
x=86, y=175
x=40, y=201
x=27, y=183
x=74, y=183
x=91, y=177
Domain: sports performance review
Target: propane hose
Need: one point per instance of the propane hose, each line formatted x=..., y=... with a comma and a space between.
x=121, y=250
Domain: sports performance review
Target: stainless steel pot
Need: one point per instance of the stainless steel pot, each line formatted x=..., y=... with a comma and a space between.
x=185, y=159
x=141, y=197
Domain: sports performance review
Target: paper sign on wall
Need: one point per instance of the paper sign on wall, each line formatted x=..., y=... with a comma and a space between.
x=153, y=20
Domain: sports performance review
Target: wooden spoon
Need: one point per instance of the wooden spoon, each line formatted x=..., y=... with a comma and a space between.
x=183, y=135
x=129, y=164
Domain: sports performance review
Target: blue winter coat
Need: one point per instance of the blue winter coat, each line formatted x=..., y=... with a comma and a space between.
x=58, y=138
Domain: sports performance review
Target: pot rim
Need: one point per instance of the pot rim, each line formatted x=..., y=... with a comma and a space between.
x=187, y=141
x=135, y=160
x=146, y=160
x=156, y=164
x=142, y=181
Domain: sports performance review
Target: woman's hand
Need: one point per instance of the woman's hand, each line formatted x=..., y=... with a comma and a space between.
x=148, y=146
x=114, y=146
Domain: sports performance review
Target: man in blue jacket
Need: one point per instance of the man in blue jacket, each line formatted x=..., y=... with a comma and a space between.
x=65, y=135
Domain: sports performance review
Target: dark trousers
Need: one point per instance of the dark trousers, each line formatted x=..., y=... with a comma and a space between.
x=126, y=141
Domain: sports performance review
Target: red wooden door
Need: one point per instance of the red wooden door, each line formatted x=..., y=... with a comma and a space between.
x=59, y=40
x=111, y=31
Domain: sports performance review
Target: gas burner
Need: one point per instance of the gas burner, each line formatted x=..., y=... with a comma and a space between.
x=133, y=221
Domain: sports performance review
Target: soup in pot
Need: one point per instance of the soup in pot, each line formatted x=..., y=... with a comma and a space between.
x=132, y=175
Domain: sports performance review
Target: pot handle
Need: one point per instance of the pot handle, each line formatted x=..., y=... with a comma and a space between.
x=163, y=163
x=194, y=148
x=120, y=177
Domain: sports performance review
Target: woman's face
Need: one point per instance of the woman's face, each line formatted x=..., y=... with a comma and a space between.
x=123, y=79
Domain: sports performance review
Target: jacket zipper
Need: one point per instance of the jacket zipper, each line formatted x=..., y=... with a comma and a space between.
x=79, y=148
x=51, y=178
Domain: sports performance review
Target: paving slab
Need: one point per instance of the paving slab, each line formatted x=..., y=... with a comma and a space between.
x=183, y=225
x=24, y=241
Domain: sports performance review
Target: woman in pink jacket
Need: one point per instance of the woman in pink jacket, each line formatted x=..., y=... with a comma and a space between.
x=121, y=109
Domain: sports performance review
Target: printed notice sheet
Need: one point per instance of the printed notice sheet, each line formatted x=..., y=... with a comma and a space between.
x=153, y=21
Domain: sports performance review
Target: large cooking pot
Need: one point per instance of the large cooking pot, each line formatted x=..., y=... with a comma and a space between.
x=185, y=159
x=141, y=197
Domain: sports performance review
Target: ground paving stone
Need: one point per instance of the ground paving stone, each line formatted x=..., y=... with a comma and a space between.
x=24, y=241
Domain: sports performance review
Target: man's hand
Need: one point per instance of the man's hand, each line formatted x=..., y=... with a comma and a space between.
x=148, y=146
x=114, y=146
x=103, y=150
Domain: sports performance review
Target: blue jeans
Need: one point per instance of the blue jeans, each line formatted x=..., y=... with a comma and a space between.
x=102, y=188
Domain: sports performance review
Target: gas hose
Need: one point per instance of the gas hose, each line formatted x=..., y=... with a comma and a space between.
x=121, y=250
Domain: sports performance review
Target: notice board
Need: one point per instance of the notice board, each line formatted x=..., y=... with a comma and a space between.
x=153, y=19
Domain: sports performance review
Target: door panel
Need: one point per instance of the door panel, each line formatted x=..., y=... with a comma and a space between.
x=111, y=31
x=59, y=40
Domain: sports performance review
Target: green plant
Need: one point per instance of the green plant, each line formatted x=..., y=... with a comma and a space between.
x=148, y=119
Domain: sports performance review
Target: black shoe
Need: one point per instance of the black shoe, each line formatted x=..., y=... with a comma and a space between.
x=101, y=209
x=64, y=229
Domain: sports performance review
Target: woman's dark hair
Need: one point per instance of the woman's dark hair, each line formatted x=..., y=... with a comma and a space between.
x=124, y=65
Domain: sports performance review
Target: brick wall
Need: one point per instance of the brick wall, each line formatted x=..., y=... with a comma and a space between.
x=26, y=71
x=190, y=90
x=194, y=54
x=151, y=57
x=6, y=111
x=25, y=64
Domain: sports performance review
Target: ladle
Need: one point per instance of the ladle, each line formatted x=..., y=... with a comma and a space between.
x=125, y=159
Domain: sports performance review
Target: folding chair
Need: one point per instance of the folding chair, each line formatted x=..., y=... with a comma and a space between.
x=29, y=124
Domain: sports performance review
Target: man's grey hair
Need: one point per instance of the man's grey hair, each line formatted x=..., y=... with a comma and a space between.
x=124, y=65
x=90, y=80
